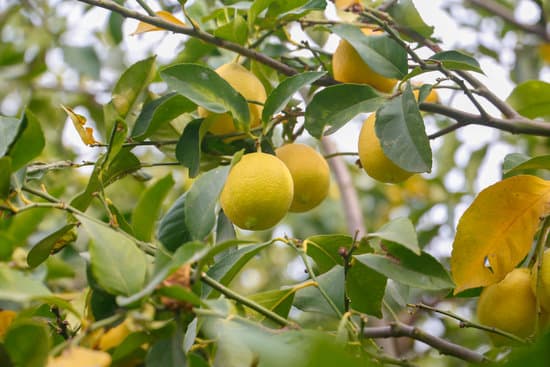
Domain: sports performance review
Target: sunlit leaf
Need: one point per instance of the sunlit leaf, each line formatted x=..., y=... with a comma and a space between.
x=143, y=27
x=531, y=99
x=496, y=232
x=278, y=300
x=86, y=133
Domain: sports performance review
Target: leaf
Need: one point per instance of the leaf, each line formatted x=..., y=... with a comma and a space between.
x=132, y=85
x=498, y=227
x=384, y=55
x=404, y=13
x=83, y=59
x=167, y=352
x=28, y=144
x=148, y=207
x=28, y=344
x=50, y=244
x=310, y=299
x=531, y=99
x=117, y=264
x=518, y=162
x=200, y=215
x=323, y=249
x=86, y=133
x=402, y=134
x=18, y=287
x=400, y=231
x=188, y=149
x=336, y=105
x=236, y=30
x=143, y=27
x=207, y=89
x=5, y=174
x=172, y=230
x=401, y=265
x=365, y=288
x=456, y=60
x=9, y=128
x=160, y=112
x=277, y=300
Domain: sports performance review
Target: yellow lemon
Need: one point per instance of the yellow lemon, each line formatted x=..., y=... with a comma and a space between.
x=251, y=88
x=114, y=336
x=509, y=305
x=346, y=4
x=81, y=357
x=544, y=290
x=258, y=192
x=432, y=97
x=6, y=318
x=374, y=161
x=544, y=52
x=310, y=174
x=349, y=67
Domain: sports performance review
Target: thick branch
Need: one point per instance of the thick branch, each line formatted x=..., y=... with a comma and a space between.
x=443, y=346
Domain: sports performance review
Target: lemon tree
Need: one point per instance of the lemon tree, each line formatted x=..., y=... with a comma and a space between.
x=274, y=183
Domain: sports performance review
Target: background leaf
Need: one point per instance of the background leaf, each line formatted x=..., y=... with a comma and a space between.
x=28, y=144
x=531, y=99
x=5, y=174
x=405, y=13
x=18, y=287
x=456, y=60
x=28, y=344
x=9, y=128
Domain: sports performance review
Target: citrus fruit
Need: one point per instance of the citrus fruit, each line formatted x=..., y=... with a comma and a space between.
x=544, y=290
x=349, y=67
x=114, y=336
x=310, y=174
x=346, y=4
x=544, y=52
x=509, y=305
x=432, y=97
x=258, y=192
x=374, y=161
x=6, y=318
x=82, y=357
x=251, y=88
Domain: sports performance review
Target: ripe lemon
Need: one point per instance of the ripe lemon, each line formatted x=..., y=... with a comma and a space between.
x=310, y=174
x=82, y=357
x=114, y=336
x=258, y=192
x=544, y=290
x=349, y=67
x=432, y=97
x=247, y=84
x=544, y=52
x=346, y=4
x=509, y=305
x=374, y=161
x=6, y=318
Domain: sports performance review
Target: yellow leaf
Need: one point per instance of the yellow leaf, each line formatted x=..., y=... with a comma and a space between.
x=6, y=317
x=81, y=357
x=146, y=27
x=85, y=133
x=498, y=227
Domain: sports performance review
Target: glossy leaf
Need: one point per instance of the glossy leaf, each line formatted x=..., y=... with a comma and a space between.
x=402, y=134
x=405, y=13
x=50, y=244
x=172, y=230
x=384, y=55
x=117, y=264
x=29, y=142
x=9, y=128
x=28, y=343
x=456, y=60
x=531, y=99
x=365, y=288
x=188, y=149
x=310, y=299
x=324, y=250
x=497, y=230
x=400, y=231
x=5, y=174
x=148, y=207
x=334, y=106
x=200, y=214
x=16, y=286
x=143, y=27
x=207, y=89
x=282, y=94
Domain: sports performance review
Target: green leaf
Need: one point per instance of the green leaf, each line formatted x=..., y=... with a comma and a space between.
x=400, y=231
x=281, y=95
x=50, y=244
x=456, y=60
x=365, y=288
x=518, y=162
x=324, y=250
x=336, y=105
x=167, y=352
x=384, y=55
x=21, y=227
x=423, y=271
x=531, y=99
x=224, y=228
x=9, y=128
x=277, y=300
x=172, y=230
x=236, y=30
x=188, y=149
x=16, y=286
x=160, y=112
x=207, y=89
x=148, y=207
x=83, y=59
x=28, y=344
x=200, y=214
x=310, y=299
x=28, y=144
x=117, y=264
x=132, y=85
x=404, y=13
x=115, y=27
x=5, y=174
x=130, y=345
x=402, y=134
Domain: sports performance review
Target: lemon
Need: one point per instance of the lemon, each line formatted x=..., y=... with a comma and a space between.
x=544, y=52
x=544, y=290
x=82, y=357
x=509, y=305
x=346, y=4
x=251, y=88
x=349, y=67
x=6, y=318
x=374, y=161
x=432, y=97
x=310, y=175
x=258, y=192
x=114, y=336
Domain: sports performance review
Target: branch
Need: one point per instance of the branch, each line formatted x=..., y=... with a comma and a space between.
x=395, y=330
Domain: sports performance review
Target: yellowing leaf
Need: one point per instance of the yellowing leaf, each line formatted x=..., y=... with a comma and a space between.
x=146, y=27
x=6, y=317
x=81, y=357
x=85, y=133
x=498, y=228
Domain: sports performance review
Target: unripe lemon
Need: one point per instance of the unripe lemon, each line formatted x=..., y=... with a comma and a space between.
x=374, y=161
x=349, y=67
x=509, y=305
x=544, y=290
x=310, y=174
x=258, y=192
x=251, y=88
